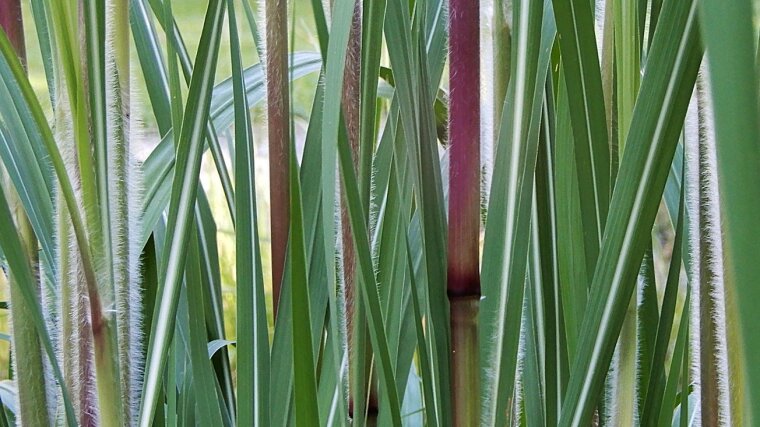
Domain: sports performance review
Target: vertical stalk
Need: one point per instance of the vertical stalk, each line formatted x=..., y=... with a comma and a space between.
x=624, y=32
x=351, y=116
x=627, y=70
x=712, y=316
x=108, y=377
x=463, y=278
x=624, y=382
x=30, y=378
x=120, y=197
x=360, y=373
x=465, y=380
x=89, y=316
x=94, y=58
x=75, y=334
x=278, y=113
x=11, y=22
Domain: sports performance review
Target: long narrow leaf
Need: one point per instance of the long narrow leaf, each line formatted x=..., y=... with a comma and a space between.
x=667, y=84
x=252, y=333
x=505, y=250
x=183, y=199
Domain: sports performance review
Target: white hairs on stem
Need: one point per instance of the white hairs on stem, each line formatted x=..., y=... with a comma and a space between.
x=691, y=181
x=124, y=203
x=74, y=338
x=517, y=393
x=487, y=100
x=707, y=249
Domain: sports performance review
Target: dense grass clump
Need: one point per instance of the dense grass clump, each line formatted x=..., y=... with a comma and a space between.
x=380, y=212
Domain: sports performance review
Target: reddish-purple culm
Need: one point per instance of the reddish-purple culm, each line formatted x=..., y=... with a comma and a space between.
x=464, y=207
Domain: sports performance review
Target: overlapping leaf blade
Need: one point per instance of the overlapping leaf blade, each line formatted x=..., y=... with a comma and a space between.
x=667, y=83
x=184, y=190
x=507, y=237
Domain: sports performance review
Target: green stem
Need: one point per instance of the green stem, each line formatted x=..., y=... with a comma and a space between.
x=465, y=373
x=118, y=149
x=624, y=399
x=111, y=412
x=30, y=378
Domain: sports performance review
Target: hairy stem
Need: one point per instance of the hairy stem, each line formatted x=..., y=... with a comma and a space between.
x=360, y=372
x=711, y=287
x=76, y=332
x=278, y=109
x=624, y=397
x=122, y=184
